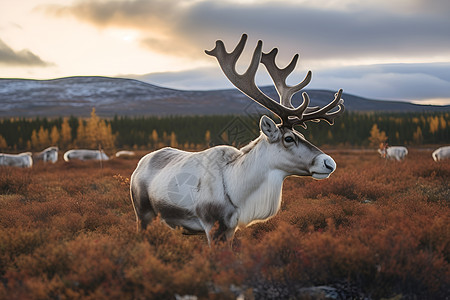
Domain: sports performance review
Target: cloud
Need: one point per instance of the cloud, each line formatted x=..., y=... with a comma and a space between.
x=420, y=83
x=19, y=58
x=392, y=81
x=352, y=30
x=196, y=79
x=363, y=36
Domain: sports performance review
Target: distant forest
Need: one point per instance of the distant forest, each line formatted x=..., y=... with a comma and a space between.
x=199, y=132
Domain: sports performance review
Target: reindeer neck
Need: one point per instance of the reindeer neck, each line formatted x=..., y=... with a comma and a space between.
x=253, y=185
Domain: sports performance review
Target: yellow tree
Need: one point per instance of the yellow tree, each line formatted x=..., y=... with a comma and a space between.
x=34, y=140
x=207, y=137
x=443, y=122
x=165, y=138
x=3, y=143
x=105, y=138
x=173, y=140
x=417, y=136
x=155, y=138
x=97, y=133
x=434, y=124
x=66, y=134
x=43, y=138
x=54, y=136
x=81, y=134
x=377, y=137
x=92, y=130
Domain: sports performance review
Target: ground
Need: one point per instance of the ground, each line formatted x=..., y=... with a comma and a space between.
x=375, y=229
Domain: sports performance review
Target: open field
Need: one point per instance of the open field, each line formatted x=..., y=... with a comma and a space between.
x=375, y=228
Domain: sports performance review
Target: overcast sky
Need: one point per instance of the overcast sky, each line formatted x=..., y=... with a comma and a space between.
x=380, y=49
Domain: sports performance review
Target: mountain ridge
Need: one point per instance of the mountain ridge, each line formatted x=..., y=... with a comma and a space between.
x=77, y=95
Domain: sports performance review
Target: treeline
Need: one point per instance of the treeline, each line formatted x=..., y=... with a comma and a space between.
x=197, y=132
x=354, y=129
x=37, y=134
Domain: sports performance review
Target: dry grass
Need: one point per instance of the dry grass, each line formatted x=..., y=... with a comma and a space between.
x=375, y=228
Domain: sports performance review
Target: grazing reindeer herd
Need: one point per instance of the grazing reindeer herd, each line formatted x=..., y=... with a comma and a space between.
x=229, y=188
x=25, y=160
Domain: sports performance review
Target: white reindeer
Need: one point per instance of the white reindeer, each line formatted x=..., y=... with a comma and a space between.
x=231, y=187
x=125, y=153
x=22, y=160
x=394, y=152
x=441, y=153
x=48, y=155
x=85, y=154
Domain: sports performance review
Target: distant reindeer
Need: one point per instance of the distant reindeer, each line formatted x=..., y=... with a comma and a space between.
x=231, y=187
x=393, y=152
x=441, y=153
x=125, y=153
x=48, y=155
x=85, y=154
x=22, y=160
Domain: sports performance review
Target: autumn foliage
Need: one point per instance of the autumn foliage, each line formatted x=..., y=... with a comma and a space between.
x=375, y=229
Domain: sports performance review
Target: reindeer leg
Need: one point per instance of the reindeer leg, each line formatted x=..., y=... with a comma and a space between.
x=142, y=208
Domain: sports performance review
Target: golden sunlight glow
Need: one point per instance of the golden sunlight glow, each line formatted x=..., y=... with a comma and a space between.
x=128, y=36
x=433, y=101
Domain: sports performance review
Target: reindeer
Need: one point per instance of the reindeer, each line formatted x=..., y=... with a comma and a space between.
x=393, y=152
x=85, y=154
x=49, y=154
x=125, y=153
x=228, y=188
x=21, y=160
x=441, y=153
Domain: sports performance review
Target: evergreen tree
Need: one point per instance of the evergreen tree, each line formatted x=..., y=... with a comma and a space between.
x=352, y=129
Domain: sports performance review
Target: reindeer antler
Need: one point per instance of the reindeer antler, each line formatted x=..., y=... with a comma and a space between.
x=289, y=115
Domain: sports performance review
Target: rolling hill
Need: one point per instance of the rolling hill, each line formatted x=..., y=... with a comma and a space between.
x=118, y=96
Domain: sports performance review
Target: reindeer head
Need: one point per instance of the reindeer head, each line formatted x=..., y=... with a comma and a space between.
x=295, y=155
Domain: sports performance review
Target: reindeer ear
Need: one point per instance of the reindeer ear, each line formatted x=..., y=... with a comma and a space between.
x=270, y=129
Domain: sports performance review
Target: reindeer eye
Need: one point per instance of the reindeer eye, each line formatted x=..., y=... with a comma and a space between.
x=289, y=139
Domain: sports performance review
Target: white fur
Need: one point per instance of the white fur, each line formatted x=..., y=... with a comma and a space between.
x=23, y=160
x=85, y=154
x=245, y=185
x=125, y=153
x=441, y=153
x=48, y=155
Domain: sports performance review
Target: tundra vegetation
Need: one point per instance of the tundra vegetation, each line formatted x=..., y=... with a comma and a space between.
x=376, y=228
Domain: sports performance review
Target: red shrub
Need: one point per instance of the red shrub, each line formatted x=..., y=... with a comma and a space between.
x=375, y=229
